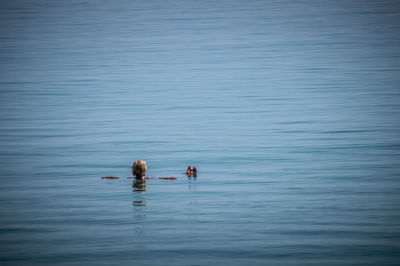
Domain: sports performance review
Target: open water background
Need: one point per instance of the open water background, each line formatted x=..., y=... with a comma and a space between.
x=290, y=110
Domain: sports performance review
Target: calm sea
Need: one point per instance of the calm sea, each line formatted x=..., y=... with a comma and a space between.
x=289, y=109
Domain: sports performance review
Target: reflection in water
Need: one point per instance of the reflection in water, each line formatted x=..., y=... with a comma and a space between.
x=192, y=185
x=139, y=185
x=191, y=176
x=139, y=203
x=140, y=209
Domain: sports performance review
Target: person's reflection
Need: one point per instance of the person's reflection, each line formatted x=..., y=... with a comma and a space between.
x=139, y=227
x=139, y=185
x=139, y=203
x=139, y=207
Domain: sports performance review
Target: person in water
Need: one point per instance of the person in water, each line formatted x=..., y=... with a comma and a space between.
x=191, y=172
x=139, y=169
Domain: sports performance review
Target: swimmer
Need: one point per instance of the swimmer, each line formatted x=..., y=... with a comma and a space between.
x=139, y=169
x=191, y=171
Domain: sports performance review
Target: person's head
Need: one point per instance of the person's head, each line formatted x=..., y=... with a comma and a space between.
x=139, y=168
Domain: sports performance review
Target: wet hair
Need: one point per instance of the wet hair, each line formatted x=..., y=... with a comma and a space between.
x=139, y=168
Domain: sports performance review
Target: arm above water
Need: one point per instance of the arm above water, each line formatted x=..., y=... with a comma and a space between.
x=147, y=177
x=150, y=177
x=167, y=177
x=109, y=177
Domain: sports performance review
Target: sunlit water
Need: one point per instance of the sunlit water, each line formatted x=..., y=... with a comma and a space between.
x=290, y=110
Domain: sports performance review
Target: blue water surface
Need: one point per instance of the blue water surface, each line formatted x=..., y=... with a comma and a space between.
x=289, y=109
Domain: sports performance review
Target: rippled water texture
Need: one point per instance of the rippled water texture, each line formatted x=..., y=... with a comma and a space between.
x=290, y=110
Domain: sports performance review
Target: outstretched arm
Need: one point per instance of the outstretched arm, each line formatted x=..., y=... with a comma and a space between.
x=168, y=178
x=147, y=177
x=109, y=177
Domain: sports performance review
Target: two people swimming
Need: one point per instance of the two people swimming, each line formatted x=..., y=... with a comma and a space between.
x=139, y=169
x=191, y=171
